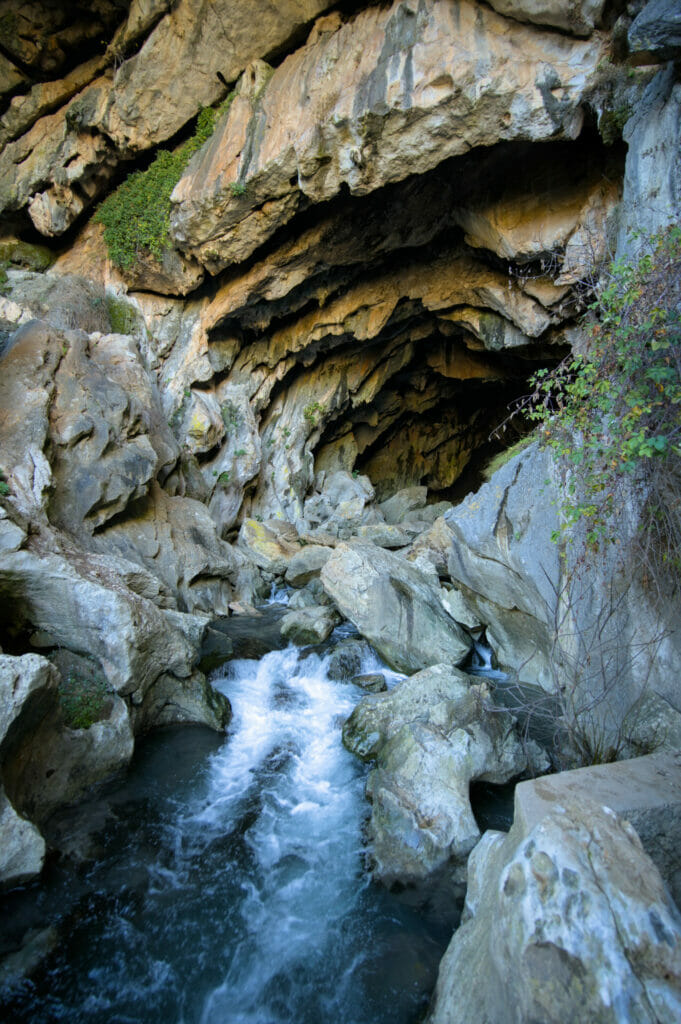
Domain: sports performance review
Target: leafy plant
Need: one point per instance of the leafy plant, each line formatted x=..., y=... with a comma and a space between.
x=310, y=412
x=83, y=700
x=223, y=478
x=237, y=188
x=4, y=486
x=613, y=413
x=136, y=216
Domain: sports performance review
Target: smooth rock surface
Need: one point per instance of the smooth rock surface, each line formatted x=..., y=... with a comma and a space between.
x=394, y=606
x=431, y=736
x=570, y=921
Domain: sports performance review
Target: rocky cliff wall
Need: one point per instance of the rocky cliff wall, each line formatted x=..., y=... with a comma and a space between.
x=349, y=234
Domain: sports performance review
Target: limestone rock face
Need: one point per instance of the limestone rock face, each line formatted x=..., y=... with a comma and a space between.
x=655, y=33
x=394, y=606
x=577, y=16
x=175, y=540
x=393, y=92
x=565, y=628
x=652, y=181
x=571, y=921
x=28, y=696
x=62, y=162
x=431, y=736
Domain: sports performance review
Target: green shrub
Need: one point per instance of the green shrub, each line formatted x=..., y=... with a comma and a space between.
x=613, y=414
x=83, y=700
x=136, y=216
x=310, y=412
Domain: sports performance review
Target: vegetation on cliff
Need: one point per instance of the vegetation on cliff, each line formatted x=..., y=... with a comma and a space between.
x=613, y=413
x=136, y=216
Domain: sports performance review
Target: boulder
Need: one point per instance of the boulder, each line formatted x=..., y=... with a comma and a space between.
x=347, y=658
x=655, y=33
x=569, y=921
x=409, y=499
x=307, y=564
x=310, y=625
x=28, y=698
x=384, y=535
x=22, y=848
x=394, y=606
x=270, y=545
x=371, y=682
x=59, y=763
x=80, y=603
x=431, y=736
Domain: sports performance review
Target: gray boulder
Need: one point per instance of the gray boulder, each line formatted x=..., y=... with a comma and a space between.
x=347, y=658
x=569, y=922
x=403, y=502
x=385, y=535
x=307, y=564
x=372, y=682
x=431, y=736
x=22, y=848
x=655, y=33
x=394, y=605
x=310, y=625
x=28, y=697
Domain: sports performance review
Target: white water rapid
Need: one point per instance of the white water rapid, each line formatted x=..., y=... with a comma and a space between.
x=230, y=886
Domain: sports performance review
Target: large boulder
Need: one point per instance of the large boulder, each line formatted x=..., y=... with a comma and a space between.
x=565, y=623
x=394, y=605
x=655, y=33
x=568, y=922
x=432, y=735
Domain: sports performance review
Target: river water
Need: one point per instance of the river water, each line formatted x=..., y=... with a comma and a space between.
x=224, y=882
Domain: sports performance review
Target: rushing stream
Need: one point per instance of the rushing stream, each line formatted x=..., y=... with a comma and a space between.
x=226, y=881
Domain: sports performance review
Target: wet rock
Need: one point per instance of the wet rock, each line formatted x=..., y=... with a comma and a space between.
x=372, y=682
x=556, y=920
x=170, y=700
x=394, y=606
x=310, y=625
x=430, y=736
x=59, y=764
x=347, y=658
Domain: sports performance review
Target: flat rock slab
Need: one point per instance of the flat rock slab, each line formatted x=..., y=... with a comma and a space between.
x=645, y=790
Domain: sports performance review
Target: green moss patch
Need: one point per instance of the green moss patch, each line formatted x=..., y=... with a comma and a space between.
x=84, y=699
x=136, y=217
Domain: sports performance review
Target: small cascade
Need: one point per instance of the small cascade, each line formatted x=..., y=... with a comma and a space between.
x=234, y=888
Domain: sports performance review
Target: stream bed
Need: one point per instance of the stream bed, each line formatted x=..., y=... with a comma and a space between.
x=224, y=881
